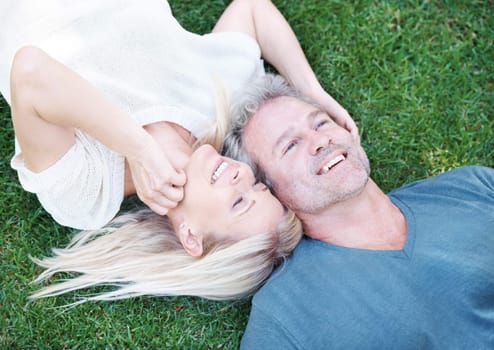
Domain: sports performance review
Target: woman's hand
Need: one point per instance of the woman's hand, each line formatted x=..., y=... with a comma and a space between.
x=158, y=176
x=280, y=47
x=337, y=112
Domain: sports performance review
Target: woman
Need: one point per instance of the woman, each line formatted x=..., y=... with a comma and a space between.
x=237, y=228
x=220, y=241
x=169, y=75
x=217, y=249
x=71, y=134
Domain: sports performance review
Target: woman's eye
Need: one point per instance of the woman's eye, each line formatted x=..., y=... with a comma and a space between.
x=238, y=202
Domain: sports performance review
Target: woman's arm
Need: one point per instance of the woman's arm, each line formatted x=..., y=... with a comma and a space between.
x=49, y=101
x=280, y=47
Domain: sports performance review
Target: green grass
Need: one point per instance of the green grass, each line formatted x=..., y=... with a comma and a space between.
x=416, y=75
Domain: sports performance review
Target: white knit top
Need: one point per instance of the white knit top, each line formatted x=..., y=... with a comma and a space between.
x=138, y=55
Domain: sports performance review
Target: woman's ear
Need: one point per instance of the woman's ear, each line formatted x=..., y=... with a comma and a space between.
x=192, y=242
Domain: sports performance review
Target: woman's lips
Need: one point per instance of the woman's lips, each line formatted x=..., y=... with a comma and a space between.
x=218, y=171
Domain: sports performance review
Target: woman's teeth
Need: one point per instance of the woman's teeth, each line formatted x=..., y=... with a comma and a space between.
x=216, y=175
x=332, y=163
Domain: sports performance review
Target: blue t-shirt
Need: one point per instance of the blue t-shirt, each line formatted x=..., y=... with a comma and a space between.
x=435, y=293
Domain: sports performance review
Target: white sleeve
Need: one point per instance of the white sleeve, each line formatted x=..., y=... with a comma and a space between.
x=84, y=189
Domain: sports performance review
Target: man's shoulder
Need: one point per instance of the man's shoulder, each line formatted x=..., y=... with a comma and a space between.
x=285, y=275
x=472, y=176
x=272, y=305
x=305, y=272
x=469, y=188
x=467, y=173
x=283, y=310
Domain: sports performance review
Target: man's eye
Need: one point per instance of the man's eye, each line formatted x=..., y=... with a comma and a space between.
x=289, y=147
x=321, y=123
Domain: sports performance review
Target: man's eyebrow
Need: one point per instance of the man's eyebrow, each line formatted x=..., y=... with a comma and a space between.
x=290, y=130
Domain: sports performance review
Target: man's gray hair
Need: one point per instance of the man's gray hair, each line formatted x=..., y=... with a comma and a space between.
x=243, y=106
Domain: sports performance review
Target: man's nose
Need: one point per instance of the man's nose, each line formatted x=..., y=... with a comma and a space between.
x=318, y=141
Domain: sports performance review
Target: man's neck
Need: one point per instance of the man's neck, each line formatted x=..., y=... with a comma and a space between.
x=367, y=221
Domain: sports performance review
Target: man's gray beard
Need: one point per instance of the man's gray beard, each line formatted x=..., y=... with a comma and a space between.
x=319, y=197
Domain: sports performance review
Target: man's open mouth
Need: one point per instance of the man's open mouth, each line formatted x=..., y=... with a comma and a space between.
x=332, y=162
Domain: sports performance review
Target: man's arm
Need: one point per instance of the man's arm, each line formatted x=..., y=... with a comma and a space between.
x=279, y=46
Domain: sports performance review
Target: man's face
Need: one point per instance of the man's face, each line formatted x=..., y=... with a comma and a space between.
x=311, y=161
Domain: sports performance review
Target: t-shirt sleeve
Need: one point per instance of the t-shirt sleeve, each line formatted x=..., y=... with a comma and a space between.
x=267, y=333
x=472, y=183
x=83, y=189
x=485, y=178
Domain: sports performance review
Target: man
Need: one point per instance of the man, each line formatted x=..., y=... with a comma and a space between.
x=413, y=269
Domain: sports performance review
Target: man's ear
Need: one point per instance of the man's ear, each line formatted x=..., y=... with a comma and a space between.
x=192, y=242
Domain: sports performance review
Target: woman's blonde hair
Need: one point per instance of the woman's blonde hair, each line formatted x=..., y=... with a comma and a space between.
x=217, y=133
x=139, y=254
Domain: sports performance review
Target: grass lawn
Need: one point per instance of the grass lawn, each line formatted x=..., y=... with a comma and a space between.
x=418, y=78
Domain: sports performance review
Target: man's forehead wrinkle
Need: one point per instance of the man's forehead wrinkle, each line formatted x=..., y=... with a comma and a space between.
x=291, y=129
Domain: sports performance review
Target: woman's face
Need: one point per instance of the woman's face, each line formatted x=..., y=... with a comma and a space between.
x=222, y=199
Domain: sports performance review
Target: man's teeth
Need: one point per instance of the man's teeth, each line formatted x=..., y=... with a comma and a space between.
x=216, y=175
x=332, y=163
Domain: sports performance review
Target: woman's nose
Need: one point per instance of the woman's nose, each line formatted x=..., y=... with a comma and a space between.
x=242, y=178
x=259, y=186
x=235, y=176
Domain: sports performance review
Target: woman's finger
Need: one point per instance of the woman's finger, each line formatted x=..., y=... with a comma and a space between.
x=173, y=193
x=178, y=178
x=161, y=204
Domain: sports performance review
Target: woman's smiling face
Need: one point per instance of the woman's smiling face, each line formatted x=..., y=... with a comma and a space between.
x=223, y=201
